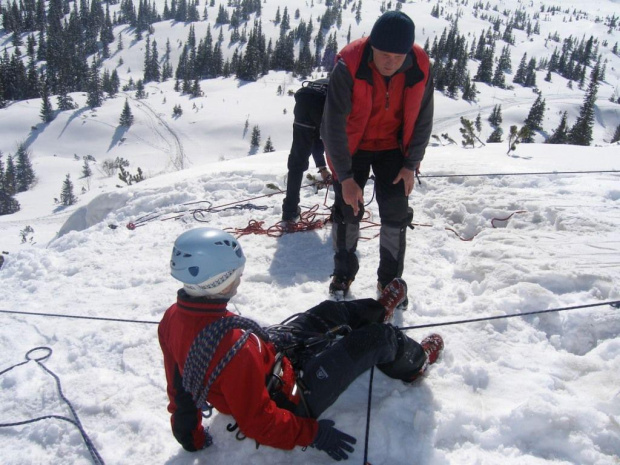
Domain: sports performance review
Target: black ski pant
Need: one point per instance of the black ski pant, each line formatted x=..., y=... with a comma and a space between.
x=327, y=370
x=306, y=141
x=394, y=213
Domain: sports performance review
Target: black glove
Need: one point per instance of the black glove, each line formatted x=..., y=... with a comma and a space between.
x=333, y=441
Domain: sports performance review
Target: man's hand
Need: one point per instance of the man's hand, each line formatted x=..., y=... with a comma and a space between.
x=408, y=176
x=353, y=195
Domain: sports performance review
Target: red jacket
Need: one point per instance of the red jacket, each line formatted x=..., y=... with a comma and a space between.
x=238, y=391
x=364, y=112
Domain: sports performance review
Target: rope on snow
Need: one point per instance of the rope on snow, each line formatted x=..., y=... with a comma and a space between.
x=75, y=421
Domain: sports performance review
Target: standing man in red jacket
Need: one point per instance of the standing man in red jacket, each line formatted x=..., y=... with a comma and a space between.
x=274, y=381
x=378, y=114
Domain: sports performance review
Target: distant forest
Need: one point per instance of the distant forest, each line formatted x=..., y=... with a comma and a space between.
x=65, y=43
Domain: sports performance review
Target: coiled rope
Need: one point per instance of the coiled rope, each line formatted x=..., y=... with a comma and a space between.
x=75, y=421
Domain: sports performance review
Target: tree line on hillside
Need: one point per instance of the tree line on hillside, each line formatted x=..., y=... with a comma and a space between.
x=66, y=43
x=580, y=133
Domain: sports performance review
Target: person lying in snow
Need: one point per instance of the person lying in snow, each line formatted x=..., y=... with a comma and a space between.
x=274, y=381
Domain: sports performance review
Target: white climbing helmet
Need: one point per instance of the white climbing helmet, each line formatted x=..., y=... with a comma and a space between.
x=206, y=261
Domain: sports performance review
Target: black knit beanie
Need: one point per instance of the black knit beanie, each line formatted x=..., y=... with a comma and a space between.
x=393, y=32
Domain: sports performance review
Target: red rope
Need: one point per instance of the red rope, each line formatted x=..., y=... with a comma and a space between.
x=307, y=222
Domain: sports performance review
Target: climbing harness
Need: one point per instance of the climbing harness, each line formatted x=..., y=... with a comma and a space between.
x=47, y=352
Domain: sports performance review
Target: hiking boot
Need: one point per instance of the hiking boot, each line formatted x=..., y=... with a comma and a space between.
x=339, y=287
x=402, y=305
x=291, y=216
x=392, y=296
x=433, y=347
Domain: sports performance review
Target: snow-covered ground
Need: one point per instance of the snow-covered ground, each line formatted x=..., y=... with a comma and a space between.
x=527, y=390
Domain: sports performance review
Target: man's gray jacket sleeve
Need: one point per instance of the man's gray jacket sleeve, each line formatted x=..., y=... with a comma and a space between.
x=423, y=127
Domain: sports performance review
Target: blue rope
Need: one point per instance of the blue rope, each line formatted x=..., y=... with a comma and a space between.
x=76, y=421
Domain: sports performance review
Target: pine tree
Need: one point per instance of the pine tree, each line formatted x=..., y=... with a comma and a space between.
x=87, y=172
x=255, y=140
x=560, y=135
x=521, y=70
x=496, y=135
x=140, y=89
x=499, y=79
x=66, y=195
x=496, y=116
x=535, y=117
x=24, y=174
x=530, y=74
x=2, y=99
x=468, y=131
x=469, y=90
x=269, y=146
x=126, y=116
x=516, y=136
x=8, y=204
x=485, y=69
x=10, y=177
x=47, y=113
x=581, y=132
x=95, y=90
x=616, y=136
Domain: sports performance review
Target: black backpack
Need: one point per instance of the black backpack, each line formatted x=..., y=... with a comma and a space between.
x=309, y=102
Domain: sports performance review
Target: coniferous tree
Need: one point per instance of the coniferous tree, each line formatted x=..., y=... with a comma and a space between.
x=140, y=89
x=24, y=174
x=469, y=90
x=560, y=135
x=496, y=135
x=616, y=136
x=255, y=140
x=534, y=118
x=87, y=172
x=10, y=177
x=530, y=74
x=269, y=146
x=47, y=112
x=8, y=204
x=196, y=91
x=581, y=132
x=521, y=70
x=468, y=131
x=485, y=69
x=95, y=90
x=478, y=124
x=126, y=116
x=2, y=99
x=66, y=194
x=496, y=116
x=516, y=136
x=499, y=79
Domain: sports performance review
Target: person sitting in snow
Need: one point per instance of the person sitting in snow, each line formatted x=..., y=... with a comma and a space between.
x=274, y=381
